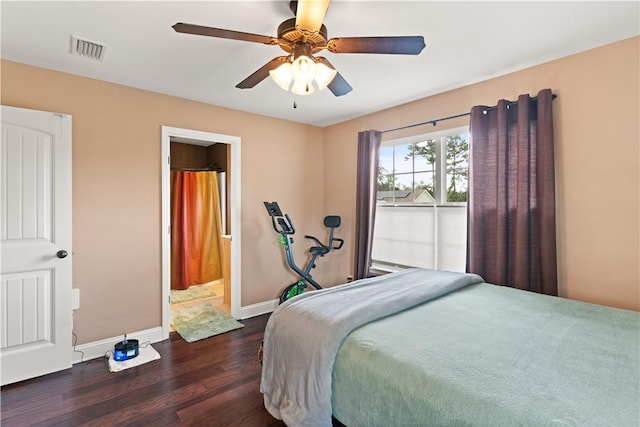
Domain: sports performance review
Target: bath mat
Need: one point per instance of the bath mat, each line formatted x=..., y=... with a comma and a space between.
x=194, y=292
x=201, y=321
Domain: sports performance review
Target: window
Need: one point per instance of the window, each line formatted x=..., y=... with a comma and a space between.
x=421, y=218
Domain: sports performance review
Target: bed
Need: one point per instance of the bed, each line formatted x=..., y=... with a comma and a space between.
x=431, y=348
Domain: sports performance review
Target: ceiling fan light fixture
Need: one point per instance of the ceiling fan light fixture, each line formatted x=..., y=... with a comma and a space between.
x=300, y=88
x=306, y=73
x=303, y=69
x=324, y=75
x=282, y=75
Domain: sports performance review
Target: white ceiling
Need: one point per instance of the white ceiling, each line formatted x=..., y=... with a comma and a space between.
x=466, y=42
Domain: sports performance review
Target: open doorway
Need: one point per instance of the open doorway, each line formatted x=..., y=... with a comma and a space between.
x=200, y=253
x=184, y=149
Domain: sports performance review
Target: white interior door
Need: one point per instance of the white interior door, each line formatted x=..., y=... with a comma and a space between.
x=35, y=244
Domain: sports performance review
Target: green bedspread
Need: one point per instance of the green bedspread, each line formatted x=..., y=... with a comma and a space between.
x=492, y=356
x=303, y=335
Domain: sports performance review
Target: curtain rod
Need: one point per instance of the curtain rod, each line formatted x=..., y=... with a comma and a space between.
x=193, y=170
x=433, y=122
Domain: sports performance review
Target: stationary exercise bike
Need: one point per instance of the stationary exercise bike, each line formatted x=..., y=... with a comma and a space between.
x=283, y=225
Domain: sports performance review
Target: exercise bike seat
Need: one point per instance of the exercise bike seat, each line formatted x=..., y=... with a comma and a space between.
x=332, y=222
x=319, y=250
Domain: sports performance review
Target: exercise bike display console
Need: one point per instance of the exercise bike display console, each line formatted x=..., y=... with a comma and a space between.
x=283, y=225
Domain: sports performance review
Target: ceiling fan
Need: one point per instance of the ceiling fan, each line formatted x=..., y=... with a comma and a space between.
x=302, y=37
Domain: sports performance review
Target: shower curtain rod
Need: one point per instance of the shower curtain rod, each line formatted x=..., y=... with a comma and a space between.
x=434, y=121
x=194, y=169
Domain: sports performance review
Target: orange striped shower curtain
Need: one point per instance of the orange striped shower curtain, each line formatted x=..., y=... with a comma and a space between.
x=195, y=229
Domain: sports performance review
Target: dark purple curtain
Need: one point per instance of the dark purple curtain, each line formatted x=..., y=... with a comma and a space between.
x=511, y=207
x=366, y=189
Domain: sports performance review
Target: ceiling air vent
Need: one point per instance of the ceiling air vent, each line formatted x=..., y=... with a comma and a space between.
x=87, y=48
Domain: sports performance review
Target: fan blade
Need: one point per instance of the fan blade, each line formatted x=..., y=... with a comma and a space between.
x=310, y=14
x=199, y=30
x=401, y=45
x=338, y=85
x=261, y=73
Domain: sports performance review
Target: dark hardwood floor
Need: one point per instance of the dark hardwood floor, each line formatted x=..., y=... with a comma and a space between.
x=213, y=382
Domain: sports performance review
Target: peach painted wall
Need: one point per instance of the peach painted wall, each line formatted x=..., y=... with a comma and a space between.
x=311, y=172
x=597, y=136
x=117, y=190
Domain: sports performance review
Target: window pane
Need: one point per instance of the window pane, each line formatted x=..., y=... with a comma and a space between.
x=404, y=182
x=425, y=155
x=403, y=159
x=385, y=182
x=457, y=149
x=424, y=187
x=457, y=152
x=457, y=185
x=385, y=161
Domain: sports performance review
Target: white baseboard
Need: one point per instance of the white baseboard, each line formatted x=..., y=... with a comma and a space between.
x=258, y=309
x=96, y=349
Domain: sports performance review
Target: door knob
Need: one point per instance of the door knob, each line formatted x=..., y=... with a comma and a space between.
x=62, y=253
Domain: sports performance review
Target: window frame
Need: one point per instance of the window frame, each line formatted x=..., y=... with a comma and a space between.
x=440, y=165
x=440, y=193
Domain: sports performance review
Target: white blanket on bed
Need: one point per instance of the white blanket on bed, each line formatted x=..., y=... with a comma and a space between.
x=303, y=336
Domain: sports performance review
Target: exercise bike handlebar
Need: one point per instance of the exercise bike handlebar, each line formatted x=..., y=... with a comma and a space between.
x=284, y=225
x=340, y=243
x=334, y=243
x=315, y=239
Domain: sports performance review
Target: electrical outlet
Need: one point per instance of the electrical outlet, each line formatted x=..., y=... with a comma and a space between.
x=75, y=299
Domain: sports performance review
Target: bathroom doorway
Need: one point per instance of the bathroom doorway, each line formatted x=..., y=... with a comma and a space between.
x=193, y=153
x=198, y=226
